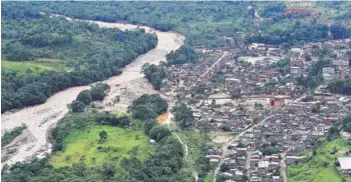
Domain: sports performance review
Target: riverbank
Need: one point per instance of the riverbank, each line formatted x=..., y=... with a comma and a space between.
x=41, y=117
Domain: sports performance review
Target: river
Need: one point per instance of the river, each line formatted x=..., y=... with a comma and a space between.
x=41, y=117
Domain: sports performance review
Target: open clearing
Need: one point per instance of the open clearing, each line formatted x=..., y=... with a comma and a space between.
x=314, y=170
x=36, y=67
x=83, y=145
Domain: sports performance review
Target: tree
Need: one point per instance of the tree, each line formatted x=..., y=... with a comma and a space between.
x=148, y=125
x=84, y=96
x=77, y=106
x=158, y=133
x=339, y=31
x=124, y=121
x=143, y=112
x=183, y=115
x=103, y=135
x=155, y=74
x=185, y=54
x=98, y=91
x=153, y=102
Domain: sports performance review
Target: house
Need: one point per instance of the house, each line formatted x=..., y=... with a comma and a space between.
x=275, y=179
x=257, y=46
x=295, y=70
x=344, y=165
x=293, y=160
x=328, y=73
x=328, y=70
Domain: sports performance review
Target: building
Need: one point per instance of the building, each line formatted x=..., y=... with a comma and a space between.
x=344, y=165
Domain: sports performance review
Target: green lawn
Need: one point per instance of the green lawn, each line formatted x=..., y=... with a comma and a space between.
x=36, y=67
x=320, y=168
x=84, y=145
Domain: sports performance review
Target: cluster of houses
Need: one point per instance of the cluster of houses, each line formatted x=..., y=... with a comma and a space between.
x=281, y=138
x=258, y=98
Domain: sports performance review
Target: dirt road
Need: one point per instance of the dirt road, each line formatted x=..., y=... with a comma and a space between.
x=283, y=165
x=225, y=147
x=41, y=117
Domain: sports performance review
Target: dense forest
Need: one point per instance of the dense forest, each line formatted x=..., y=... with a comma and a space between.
x=84, y=47
x=206, y=23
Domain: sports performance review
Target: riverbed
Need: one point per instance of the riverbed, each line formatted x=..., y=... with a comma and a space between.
x=41, y=117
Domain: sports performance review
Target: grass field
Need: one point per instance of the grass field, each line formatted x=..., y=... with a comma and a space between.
x=320, y=168
x=84, y=145
x=33, y=67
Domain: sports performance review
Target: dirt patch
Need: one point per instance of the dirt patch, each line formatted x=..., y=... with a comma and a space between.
x=162, y=118
x=122, y=95
x=12, y=149
x=124, y=89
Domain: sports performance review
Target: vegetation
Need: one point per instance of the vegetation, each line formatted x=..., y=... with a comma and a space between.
x=346, y=124
x=281, y=63
x=321, y=166
x=340, y=86
x=84, y=146
x=77, y=106
x=198, y=145
x=155, y=74
x=85, y=97
x=9, y=136
x=293, y=34
x=22, y=68
x=185, y=54
x=183, y=115
x=90, y=142
x=107, y=118
x=84, y=47
x=314, y=77
x=205, y=23
x=148, y=107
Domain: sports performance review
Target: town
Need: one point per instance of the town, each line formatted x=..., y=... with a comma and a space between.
x=253, y=94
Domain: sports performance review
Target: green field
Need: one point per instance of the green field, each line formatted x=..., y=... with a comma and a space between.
x=320, y=168
x=84, y=145
x=33, y=67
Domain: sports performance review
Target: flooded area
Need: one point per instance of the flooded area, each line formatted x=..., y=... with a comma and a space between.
x=129, y=84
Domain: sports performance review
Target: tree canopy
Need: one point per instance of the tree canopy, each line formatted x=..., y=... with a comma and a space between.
x=92, y=53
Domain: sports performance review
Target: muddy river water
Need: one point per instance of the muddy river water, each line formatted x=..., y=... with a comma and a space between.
x=40, y=118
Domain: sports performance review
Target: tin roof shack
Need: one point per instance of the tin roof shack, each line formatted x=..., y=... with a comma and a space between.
x=343, y=165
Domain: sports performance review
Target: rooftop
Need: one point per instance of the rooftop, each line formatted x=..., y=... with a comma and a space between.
x=345, y=162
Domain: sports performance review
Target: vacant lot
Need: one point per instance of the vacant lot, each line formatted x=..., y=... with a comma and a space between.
x=84, y=145
x=320, y=167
